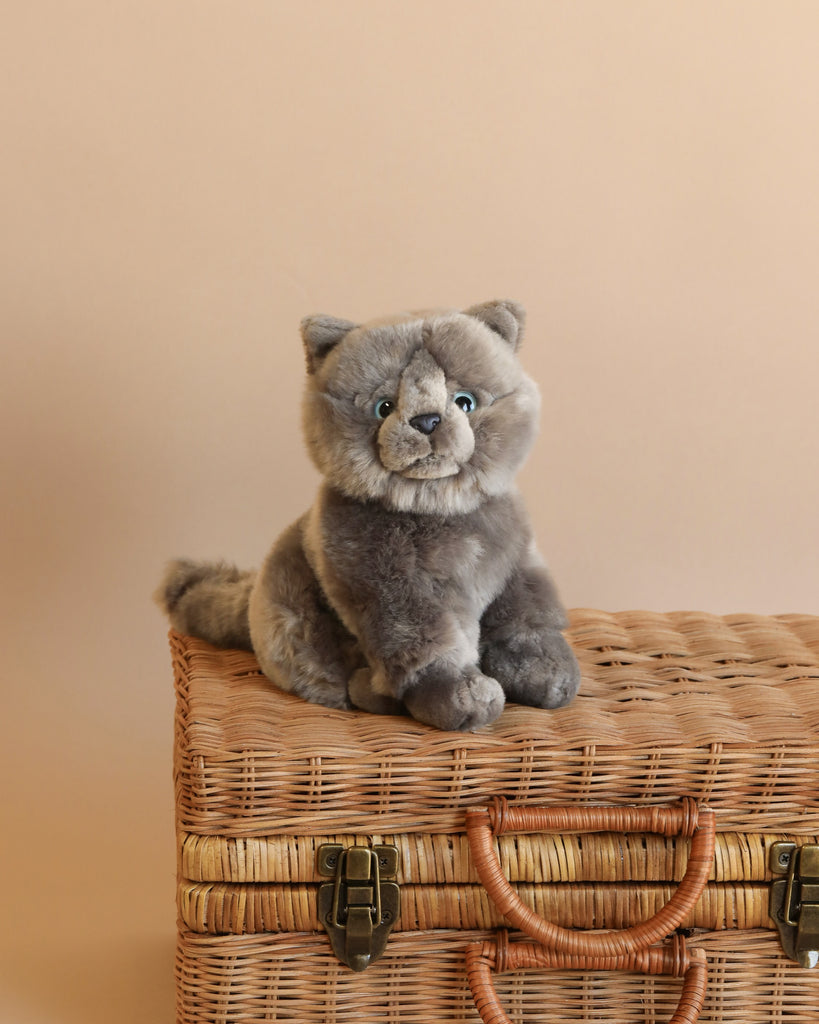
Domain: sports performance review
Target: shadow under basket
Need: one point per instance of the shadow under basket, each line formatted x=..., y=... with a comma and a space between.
x=650, y=852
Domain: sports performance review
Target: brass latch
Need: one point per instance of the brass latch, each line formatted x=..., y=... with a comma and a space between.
x=358, y=908
x=794, y=904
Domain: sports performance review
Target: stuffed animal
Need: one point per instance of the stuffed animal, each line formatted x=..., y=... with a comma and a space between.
x=413, y=584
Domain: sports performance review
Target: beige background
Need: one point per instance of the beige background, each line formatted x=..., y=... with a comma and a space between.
x=183, y=181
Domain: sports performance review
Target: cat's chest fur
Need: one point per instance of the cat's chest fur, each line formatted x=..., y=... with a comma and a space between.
x=364, y=552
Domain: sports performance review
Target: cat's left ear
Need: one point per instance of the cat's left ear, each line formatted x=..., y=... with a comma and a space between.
x=320, y=334
x=504, y=317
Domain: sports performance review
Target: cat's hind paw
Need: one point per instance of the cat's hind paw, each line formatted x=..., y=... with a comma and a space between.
x=364, y=696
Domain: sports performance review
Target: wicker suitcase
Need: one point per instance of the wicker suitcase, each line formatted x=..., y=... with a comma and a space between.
x=308, y=836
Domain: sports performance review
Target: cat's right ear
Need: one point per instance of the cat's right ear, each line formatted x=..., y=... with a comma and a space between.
x=320, y=334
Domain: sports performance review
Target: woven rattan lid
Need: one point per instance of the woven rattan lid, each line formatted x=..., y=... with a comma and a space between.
x=721, y=709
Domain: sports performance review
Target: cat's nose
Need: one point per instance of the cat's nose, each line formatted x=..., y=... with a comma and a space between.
x=426, y=422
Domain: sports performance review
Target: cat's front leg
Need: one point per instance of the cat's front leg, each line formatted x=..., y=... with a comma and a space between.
x=522, y=644
x=426, y=663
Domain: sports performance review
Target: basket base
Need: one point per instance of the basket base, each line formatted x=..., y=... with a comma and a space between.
x=422, y=977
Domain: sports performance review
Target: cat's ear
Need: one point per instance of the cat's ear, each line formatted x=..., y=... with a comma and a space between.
x=504, y=317
x=320, y=334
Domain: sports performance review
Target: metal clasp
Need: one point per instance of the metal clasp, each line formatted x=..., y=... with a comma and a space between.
x=794, y=903
x=359, y=907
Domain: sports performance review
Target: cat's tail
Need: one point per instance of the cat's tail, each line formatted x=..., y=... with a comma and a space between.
x=208, y=600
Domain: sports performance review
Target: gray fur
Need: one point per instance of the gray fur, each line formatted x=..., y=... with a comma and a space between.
x=413, y=583
x=208, y=599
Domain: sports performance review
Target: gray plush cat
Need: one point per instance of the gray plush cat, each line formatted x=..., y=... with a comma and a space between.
x=413, y=582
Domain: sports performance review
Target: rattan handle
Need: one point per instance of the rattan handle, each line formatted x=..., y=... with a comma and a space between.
x=681, y=819
x=484, y=957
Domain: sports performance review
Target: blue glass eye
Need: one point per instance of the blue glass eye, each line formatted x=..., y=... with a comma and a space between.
x=465, y=400
x=383, y=407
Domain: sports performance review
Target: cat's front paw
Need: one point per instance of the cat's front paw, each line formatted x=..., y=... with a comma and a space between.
x=462, y=700
x=537, y=668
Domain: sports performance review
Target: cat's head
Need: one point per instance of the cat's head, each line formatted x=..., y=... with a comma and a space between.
x=428, y=412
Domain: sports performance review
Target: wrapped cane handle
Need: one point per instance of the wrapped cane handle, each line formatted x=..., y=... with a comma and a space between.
x=484, y=957
x=684, y=819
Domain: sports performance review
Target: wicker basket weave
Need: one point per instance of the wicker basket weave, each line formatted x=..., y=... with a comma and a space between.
x=421, y=979
x=724, y=710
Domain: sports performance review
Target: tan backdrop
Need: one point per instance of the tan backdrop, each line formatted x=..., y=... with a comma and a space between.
x=183, y=181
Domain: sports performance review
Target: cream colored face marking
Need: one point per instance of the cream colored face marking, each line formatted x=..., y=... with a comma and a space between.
x=423, y=388
x=411, y=453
